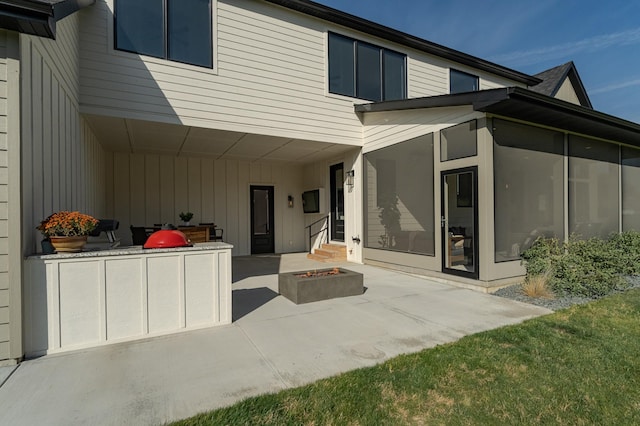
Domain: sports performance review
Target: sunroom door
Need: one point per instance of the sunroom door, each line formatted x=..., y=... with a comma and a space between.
x=460, y=222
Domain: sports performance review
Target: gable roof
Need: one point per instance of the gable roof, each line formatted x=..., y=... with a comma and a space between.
x=368, y=27
x=552, y=80
x=529, y=106
x=37, y=17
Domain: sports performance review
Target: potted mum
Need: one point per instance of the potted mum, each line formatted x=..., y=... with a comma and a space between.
x=67, y=230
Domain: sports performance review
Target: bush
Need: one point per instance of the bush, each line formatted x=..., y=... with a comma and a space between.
x=542, y=255
x=589, y=268
x=627, y=245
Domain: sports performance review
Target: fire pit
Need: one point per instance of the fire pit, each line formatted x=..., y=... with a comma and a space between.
x=312, y=286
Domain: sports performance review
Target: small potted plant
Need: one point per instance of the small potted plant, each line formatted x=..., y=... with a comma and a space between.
x=67, y=230
x=186, y=217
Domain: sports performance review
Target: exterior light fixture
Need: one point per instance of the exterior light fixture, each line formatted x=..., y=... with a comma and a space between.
x=290, y=201
x=350, y=175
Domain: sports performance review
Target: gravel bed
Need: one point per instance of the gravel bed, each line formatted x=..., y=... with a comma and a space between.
x=514, y=292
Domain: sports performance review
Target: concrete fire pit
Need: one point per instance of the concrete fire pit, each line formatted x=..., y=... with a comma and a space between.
x=312, y=286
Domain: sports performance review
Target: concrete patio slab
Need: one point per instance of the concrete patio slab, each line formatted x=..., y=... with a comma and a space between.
x=273, y=344
x=5, y=372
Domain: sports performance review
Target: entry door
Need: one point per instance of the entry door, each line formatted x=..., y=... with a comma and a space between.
x=337, y=201
x=262, y=219
x=460, y=222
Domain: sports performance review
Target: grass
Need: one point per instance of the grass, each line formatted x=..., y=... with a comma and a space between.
x=577, y=366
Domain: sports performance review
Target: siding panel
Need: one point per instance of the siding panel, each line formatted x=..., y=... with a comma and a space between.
x=215, y=191
x=9, y=288
x=64, y=165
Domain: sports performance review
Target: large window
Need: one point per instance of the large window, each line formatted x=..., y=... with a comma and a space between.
x=630, y=189
x=399, y=206
x=362, y=70
x=593, y=187
x=460, y=82
x=459, y=141
x=178, y=30
x=528, y=187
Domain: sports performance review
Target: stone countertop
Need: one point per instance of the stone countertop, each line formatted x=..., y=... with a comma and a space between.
x=132, y=250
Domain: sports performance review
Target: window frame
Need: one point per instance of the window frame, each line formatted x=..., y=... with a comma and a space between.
x=165, y=39
x=381, y=55
x=465, y=74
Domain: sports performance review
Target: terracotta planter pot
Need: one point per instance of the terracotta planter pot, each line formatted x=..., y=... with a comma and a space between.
x=69, y=244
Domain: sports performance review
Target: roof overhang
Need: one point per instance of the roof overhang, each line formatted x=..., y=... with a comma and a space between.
x=37, y=17
x=359, y=24
x=526, y=105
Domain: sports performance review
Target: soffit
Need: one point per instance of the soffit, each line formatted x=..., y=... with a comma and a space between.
x=144, y=137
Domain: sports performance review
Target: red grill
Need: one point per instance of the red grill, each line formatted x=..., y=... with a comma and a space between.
x=166, y=238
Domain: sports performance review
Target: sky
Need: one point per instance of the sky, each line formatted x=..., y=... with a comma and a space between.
x=602, y=37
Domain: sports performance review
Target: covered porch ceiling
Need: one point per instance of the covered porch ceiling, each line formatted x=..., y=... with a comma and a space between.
x=146, y=137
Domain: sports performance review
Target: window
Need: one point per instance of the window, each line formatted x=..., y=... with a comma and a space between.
x=399, y=207
x=460, y=82
x=593, y=187
x=458, y=141
x=177, y=30
x=528, y=187
x=362, y=70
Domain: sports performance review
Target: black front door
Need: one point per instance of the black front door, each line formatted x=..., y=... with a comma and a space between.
x=262, y=219
x=337, y=201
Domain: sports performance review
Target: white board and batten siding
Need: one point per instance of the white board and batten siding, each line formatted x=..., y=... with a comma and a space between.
x=148, y=189
x=63, y=165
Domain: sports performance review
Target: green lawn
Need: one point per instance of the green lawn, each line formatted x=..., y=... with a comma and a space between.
x=577, y=366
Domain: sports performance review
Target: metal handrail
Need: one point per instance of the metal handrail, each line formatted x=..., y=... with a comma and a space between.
x=324, y=229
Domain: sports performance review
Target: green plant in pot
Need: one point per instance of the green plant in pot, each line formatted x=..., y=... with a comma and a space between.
x=186, y=217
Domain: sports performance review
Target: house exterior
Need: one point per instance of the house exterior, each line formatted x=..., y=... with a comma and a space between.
x=431, y=161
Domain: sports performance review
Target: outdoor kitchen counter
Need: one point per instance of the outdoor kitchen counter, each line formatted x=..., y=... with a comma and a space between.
x=93, y=298
x=131, y=250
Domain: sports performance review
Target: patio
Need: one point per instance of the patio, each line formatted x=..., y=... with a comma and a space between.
x=272, y=344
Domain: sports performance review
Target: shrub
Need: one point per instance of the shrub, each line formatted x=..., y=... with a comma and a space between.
x=542, y=255
x=590, y=268
x=627, y=246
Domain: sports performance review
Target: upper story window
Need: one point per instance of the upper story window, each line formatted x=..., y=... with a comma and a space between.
x=177, y=30
x=460, y=82
x=365, y=71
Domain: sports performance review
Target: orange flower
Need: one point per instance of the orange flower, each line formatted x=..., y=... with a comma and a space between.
x=68, y=224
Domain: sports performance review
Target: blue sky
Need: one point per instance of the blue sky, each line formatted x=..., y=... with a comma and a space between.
x=601, y=37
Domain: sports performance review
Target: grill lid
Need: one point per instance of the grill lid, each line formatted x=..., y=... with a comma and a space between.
x=166, y=238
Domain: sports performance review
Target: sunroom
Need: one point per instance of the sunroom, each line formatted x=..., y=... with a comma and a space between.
x=458, y=186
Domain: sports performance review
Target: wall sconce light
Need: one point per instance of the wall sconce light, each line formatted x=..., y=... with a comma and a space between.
x=350, y=175
x=290, y=201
